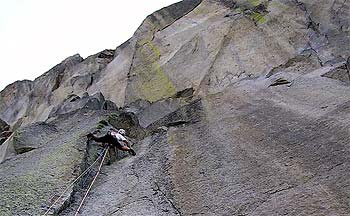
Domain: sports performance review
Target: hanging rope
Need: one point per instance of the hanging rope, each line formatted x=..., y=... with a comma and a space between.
x=75, y=180
x=93, y=181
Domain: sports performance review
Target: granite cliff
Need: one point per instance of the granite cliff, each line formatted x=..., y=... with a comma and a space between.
x=234, y=108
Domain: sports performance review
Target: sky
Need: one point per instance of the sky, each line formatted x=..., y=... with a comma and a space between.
x=35, y=35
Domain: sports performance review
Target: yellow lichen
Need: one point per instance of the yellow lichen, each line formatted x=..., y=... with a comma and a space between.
x=255, y=2
x=259, y=18
x=157, y=85
x=152, y=83
x=238, y=10
x=171, y=138
x=148, y=45
x=201, y=10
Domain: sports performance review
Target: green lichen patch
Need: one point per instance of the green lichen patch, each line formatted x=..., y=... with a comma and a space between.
x=201, y=10
x=29, y=191
x=101, y=124
x=112, y=118
x=255, y=10
x=62, y=160
x=152, y=83
x=16, y=136
x=238, y=10
x=258, y=17
x=24, y=193
x=148, y=51
x=256, y=2
x=158, y=86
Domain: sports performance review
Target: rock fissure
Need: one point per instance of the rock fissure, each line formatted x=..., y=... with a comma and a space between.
x=311, y=24
x=335, y=166
x=274, y=191
x=167, y=198
x=206, y=81
x=195, y=3
x=316, y=54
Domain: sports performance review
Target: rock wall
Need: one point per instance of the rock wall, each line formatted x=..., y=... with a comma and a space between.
x=204, y=45
x=234, y=108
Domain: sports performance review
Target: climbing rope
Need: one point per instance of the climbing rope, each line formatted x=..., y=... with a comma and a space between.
x=75, y=180
x=93, y=181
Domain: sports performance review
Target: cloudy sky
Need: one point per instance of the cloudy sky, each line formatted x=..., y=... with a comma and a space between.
x=35, y=35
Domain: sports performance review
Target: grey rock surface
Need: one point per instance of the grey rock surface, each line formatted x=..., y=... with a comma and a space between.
x=74, y=102
x=204, y=45
x=45, y=159
x=26, y=102
x=233, y=107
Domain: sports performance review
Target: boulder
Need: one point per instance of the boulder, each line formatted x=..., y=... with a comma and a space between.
x=74, y=102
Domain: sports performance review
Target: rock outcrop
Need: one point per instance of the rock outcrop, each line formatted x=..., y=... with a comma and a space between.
x=234, y=108
x=4, y=131
x=26, y=102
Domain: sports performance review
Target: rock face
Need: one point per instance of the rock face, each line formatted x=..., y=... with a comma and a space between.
x=233, y=107
x=4, y=131
x=31, y=101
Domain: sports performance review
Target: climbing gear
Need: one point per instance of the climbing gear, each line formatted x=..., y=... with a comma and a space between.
x=121, y=131
x=93, y=181
x=132, y=152
x=89, y=136
x=75, y=180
